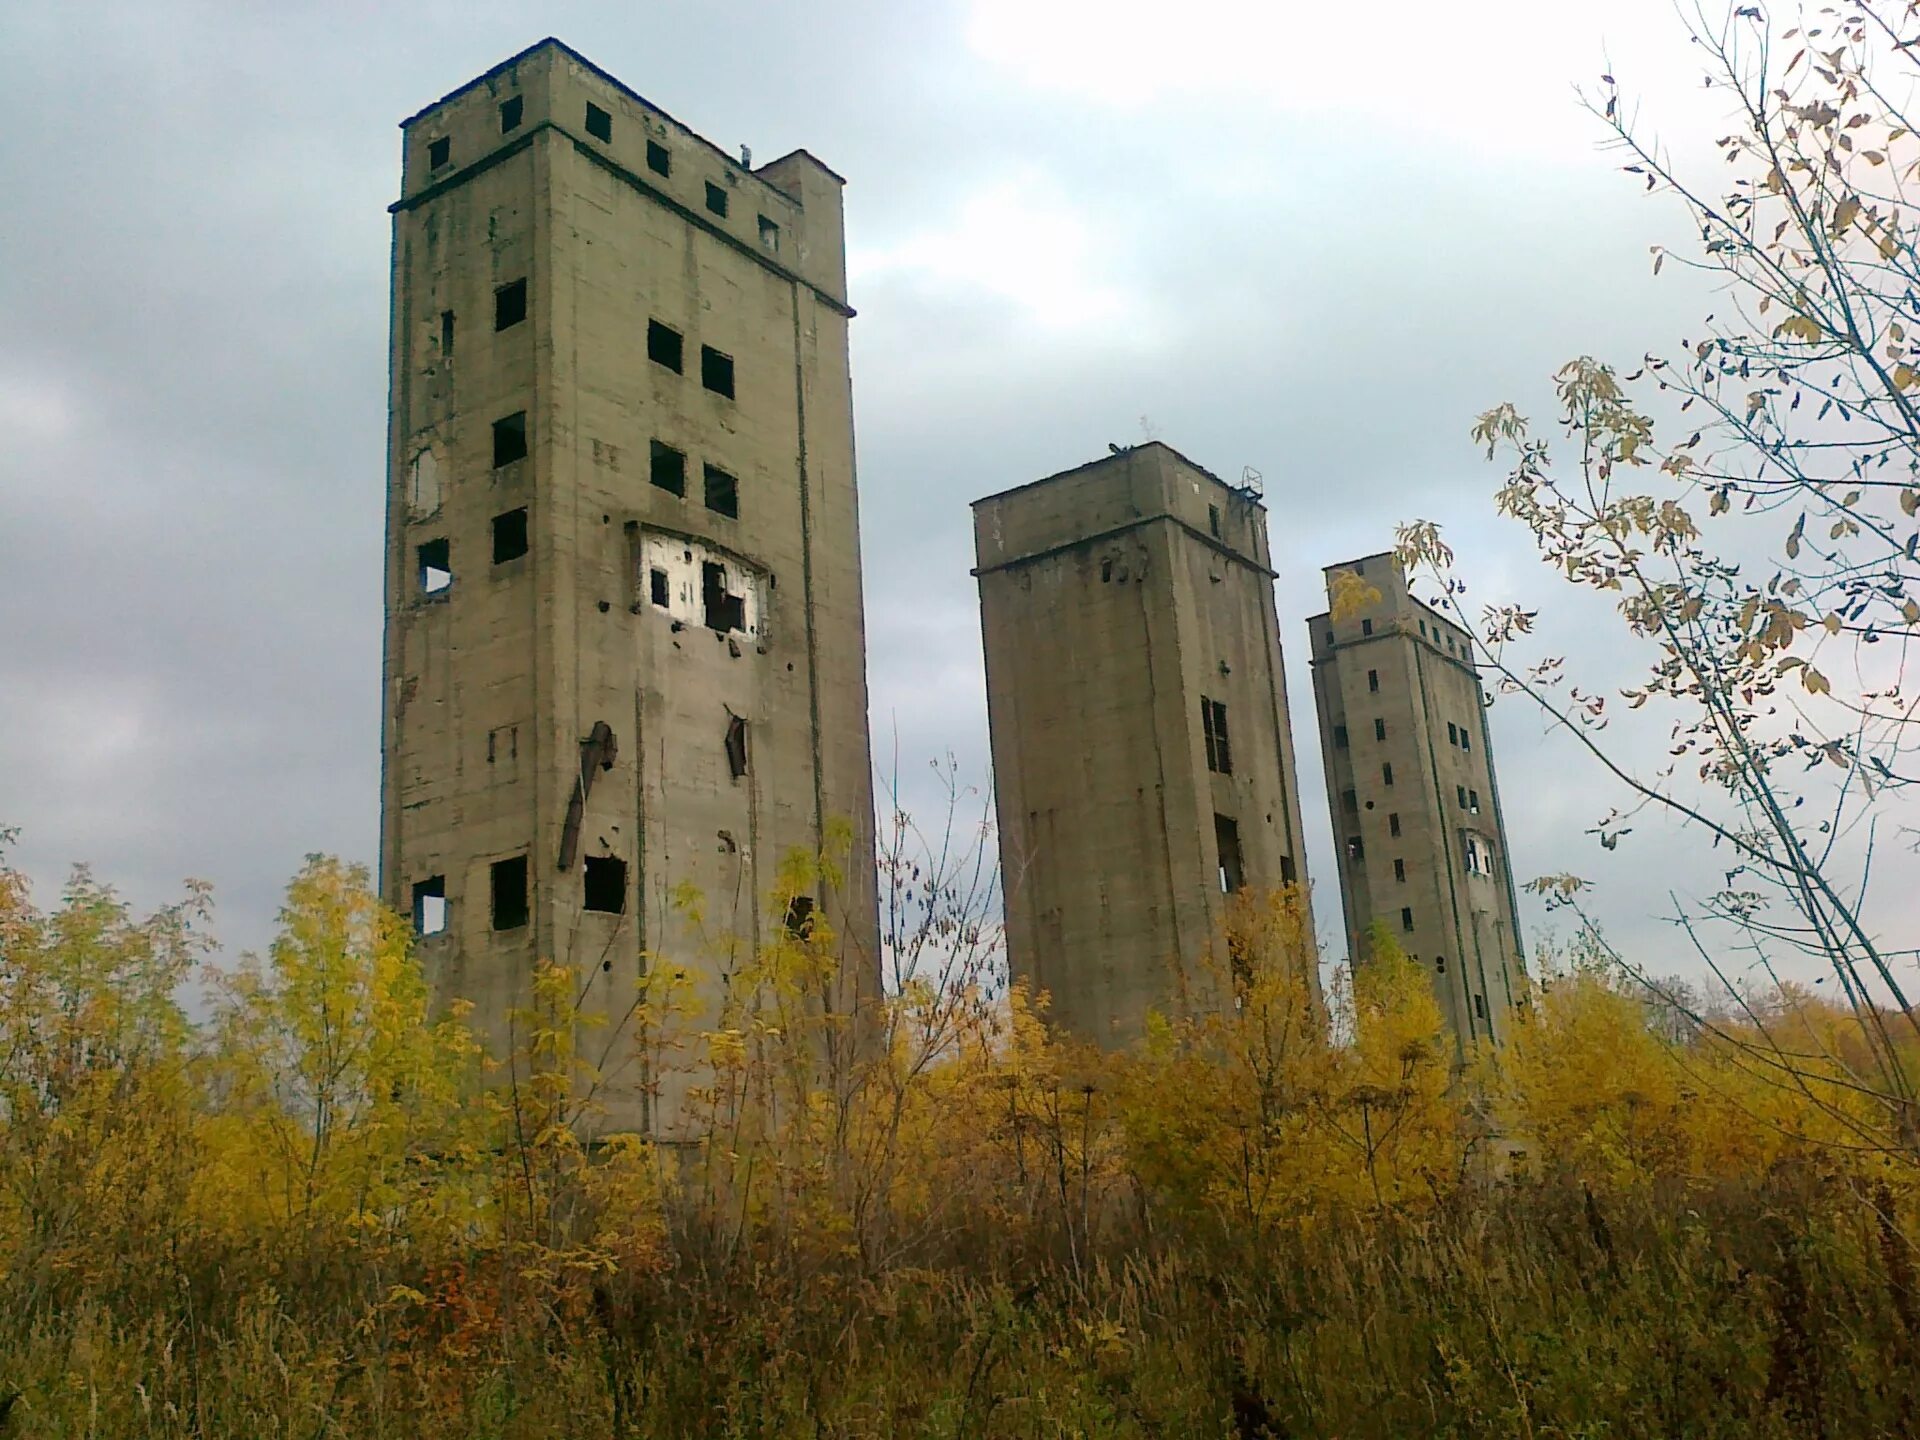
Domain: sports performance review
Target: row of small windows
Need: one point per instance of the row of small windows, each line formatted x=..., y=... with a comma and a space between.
x=1469, y=799
x=435, y=557
x=666, y=346
x=667, y=470
x=1457, y=735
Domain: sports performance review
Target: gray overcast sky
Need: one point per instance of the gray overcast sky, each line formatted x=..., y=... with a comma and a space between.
x=1279, y=237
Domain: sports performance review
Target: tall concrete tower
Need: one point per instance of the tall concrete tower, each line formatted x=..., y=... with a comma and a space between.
x=1142, y=756
x=1416, y=807
x=625, y=650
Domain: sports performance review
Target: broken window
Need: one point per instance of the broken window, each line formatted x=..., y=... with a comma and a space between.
x=511, y=110
x=436, y=567
x=663, y=345
x=510, y=439
x=1379, y=728
x=605, y=884
x=430, y=906
x=658, y=160
x=509, y=535
x=769, y=236
x=1400, y=871
x=1213, y=520
x=1406, y=917
x=1339, y=737
x=716, y=200
x=1473, y=801
x=724, y=612
x=657, y=588
x=1356, y=848
x=446, y=333
x=1213, y=722
x=1373, y=679
x=800, y=917
x=509, y=304
x=599, y=123
x=1393, y=823
x=510, y=893
x=1386, y=773
x=722, y=492
x=439, y=152
x=668, y=468
x=1366, y=627
x=736, y=746
x=1477, y=857
x=716, y=371
x=1226, y=839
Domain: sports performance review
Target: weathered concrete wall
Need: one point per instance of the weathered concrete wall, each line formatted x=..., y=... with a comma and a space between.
x=1416, y=813
x=494, y=683
x=1114, y=598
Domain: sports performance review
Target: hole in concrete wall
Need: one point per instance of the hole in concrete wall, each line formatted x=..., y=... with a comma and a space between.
x=664, y=345
x=511, y=111
x=736, y=746
x=1226, y=839
x=510, y=535
x=722, y=492
x=436, y=567
x=724, y=611
x=446, y=332
x=1213, y=520
x=657, y=588
x=769, y=236
x=509, y=888
x=605, y=884
x=1373, y=679
x=510, y=439
x=716, y=199
x=716, y=371
x=1339, y=737
x=1393, y=823
x=668, y=468
x=658, y=160
x=1439, y=964
x=1213, y=722
x=430, y=906
x=510, y=304
x=800, y=916
x=599, y=123
x=439, y=152
x=1406, y=917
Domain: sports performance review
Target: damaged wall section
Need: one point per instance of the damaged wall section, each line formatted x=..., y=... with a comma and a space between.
x=702, y=585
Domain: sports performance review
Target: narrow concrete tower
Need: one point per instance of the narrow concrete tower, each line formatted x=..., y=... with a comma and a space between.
x=1416, y=807
x=625, y=651
x=1142, y=756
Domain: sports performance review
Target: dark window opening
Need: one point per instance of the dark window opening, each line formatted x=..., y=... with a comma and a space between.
x=1400, y=870
x=1106, y=571
x=736, y=746
x=769, y=236
x=510, y=439
x=1349, y=800
x=716, y=371
x=1373, y=679
x=1356, y=848
x=1379, y=729
x=439, y=152
x=716, y=200
x=436, y=567
x=1286, y=870
x=658, y=160
x=509, y=535
x=510, y=304
x=1226, y=838
x=1465, y=743
x=800, y=917
x=663, y=345
x=1366, y=627
x=510, y=893
x=657, y=587
x=1393, y=823
x=605, y=884
x=1453, y=733
x=599, y=123
x=1386, y=774
x=1213, y=520
x=724, y=612
x=1339, y=737
x=1460, y=794
x=430, y=906
x=446, y=332
x=1473, y=801
x=1480, y=1006
x=1213, y=722
x=722, y=492
x=1406, y=917
x=668, y=468
x=511, y=110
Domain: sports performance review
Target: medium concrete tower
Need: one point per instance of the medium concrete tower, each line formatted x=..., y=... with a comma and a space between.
x=625, y=650
x=1142, y=756
x=1416, y=807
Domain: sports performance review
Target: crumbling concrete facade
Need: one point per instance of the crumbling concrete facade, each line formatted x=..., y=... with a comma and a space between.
x=1142, y=754
x=1416, y=807
x=625, y=648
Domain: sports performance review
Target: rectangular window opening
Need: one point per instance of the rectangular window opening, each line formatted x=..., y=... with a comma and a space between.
x=1339, y=737
x=1286, y=870
x=1366, y=627
x=509, y=304
x=722, y=492
x=1386, y=774
x=1226, y=838
x=724, y=611
x=1393, y=823
x=1480, y=1006
x=1453, y=733
x=510, y=893
x=1349, y=800
x=1465, y=743
x=511, y=109
x=509, y=439
x=663, y=345
x=667, y=468
x=1373, y=679
x=446, y=333
x=1400, y=871
x=769, y=236
x=716, y=371
x=439, y=152
x=599, y=123
x=605, y=882
x=657, y=588
x=1406, y=917
x=430, y=906
x=658, y=160
x=1213, y=520
x=1460, y=794
x=509, y=535
x=436, y=567
x=736, y=743
x=1213, y=723
x=1379, y=729
x=1356, y=848
x=1473, y=801
x=716, y=200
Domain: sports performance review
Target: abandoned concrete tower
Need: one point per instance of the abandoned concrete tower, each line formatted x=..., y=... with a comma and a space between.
x=625, y=649
x=1142, y=755
x=1416, y=808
